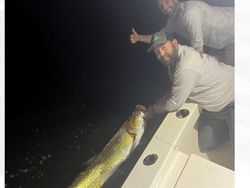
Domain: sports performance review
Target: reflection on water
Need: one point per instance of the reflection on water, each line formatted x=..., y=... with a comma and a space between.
x=53, y=157
x=76, y=87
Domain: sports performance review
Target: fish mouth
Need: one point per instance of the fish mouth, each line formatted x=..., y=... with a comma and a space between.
x=135, y=123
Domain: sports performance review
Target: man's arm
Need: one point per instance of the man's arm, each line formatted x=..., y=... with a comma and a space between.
x=180, y=92
x=135, y=37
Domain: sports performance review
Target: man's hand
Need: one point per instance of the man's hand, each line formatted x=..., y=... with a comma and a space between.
x=134, y=37
x=149, y=112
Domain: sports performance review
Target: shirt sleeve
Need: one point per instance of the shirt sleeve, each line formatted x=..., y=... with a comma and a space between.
x=192, y=22
x=182, y=88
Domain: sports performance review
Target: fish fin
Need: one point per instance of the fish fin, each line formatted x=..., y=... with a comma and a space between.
x=90, y=160
x=135, y=143
x=136, y=140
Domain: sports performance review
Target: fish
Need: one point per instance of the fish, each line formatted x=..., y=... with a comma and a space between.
x=115, y=152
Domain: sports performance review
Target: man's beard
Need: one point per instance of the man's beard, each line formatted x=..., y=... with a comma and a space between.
x=173, y=59
x=172, y=10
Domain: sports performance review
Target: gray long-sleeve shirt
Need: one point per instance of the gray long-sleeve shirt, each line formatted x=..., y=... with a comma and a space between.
x=203, y=24
x=204, y=81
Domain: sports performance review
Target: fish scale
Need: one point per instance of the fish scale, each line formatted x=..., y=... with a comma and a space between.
x=113, y=154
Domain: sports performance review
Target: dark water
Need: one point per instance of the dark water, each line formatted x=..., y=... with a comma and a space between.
x=72, y=79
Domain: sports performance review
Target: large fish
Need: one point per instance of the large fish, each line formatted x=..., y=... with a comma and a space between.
x=113, y=154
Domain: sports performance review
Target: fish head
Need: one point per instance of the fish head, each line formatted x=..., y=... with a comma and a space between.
x=136, y=122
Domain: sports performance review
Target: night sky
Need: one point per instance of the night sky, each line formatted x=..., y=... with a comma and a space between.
x=72, y=78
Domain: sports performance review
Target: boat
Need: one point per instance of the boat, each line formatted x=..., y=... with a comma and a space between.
x=172, y=158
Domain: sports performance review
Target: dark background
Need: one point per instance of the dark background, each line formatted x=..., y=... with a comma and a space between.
x=72, y=78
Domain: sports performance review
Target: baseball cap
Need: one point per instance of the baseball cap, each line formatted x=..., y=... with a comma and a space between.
x=158, y=39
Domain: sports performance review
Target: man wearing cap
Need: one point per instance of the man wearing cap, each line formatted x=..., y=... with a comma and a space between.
x=200, y=24
x=202, y=80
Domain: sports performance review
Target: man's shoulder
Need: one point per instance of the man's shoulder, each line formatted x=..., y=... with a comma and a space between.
x=189, y=58
x=190, y=4
x=191, y=10
x=188, y=51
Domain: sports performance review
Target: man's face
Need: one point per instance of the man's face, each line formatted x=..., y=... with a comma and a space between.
x=167, y=53
x=167, y=6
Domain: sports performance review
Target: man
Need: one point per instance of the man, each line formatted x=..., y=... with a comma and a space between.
x=201, y=25
x=202, y=80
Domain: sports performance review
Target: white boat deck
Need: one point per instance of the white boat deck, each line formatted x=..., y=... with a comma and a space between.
x=179, y=163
